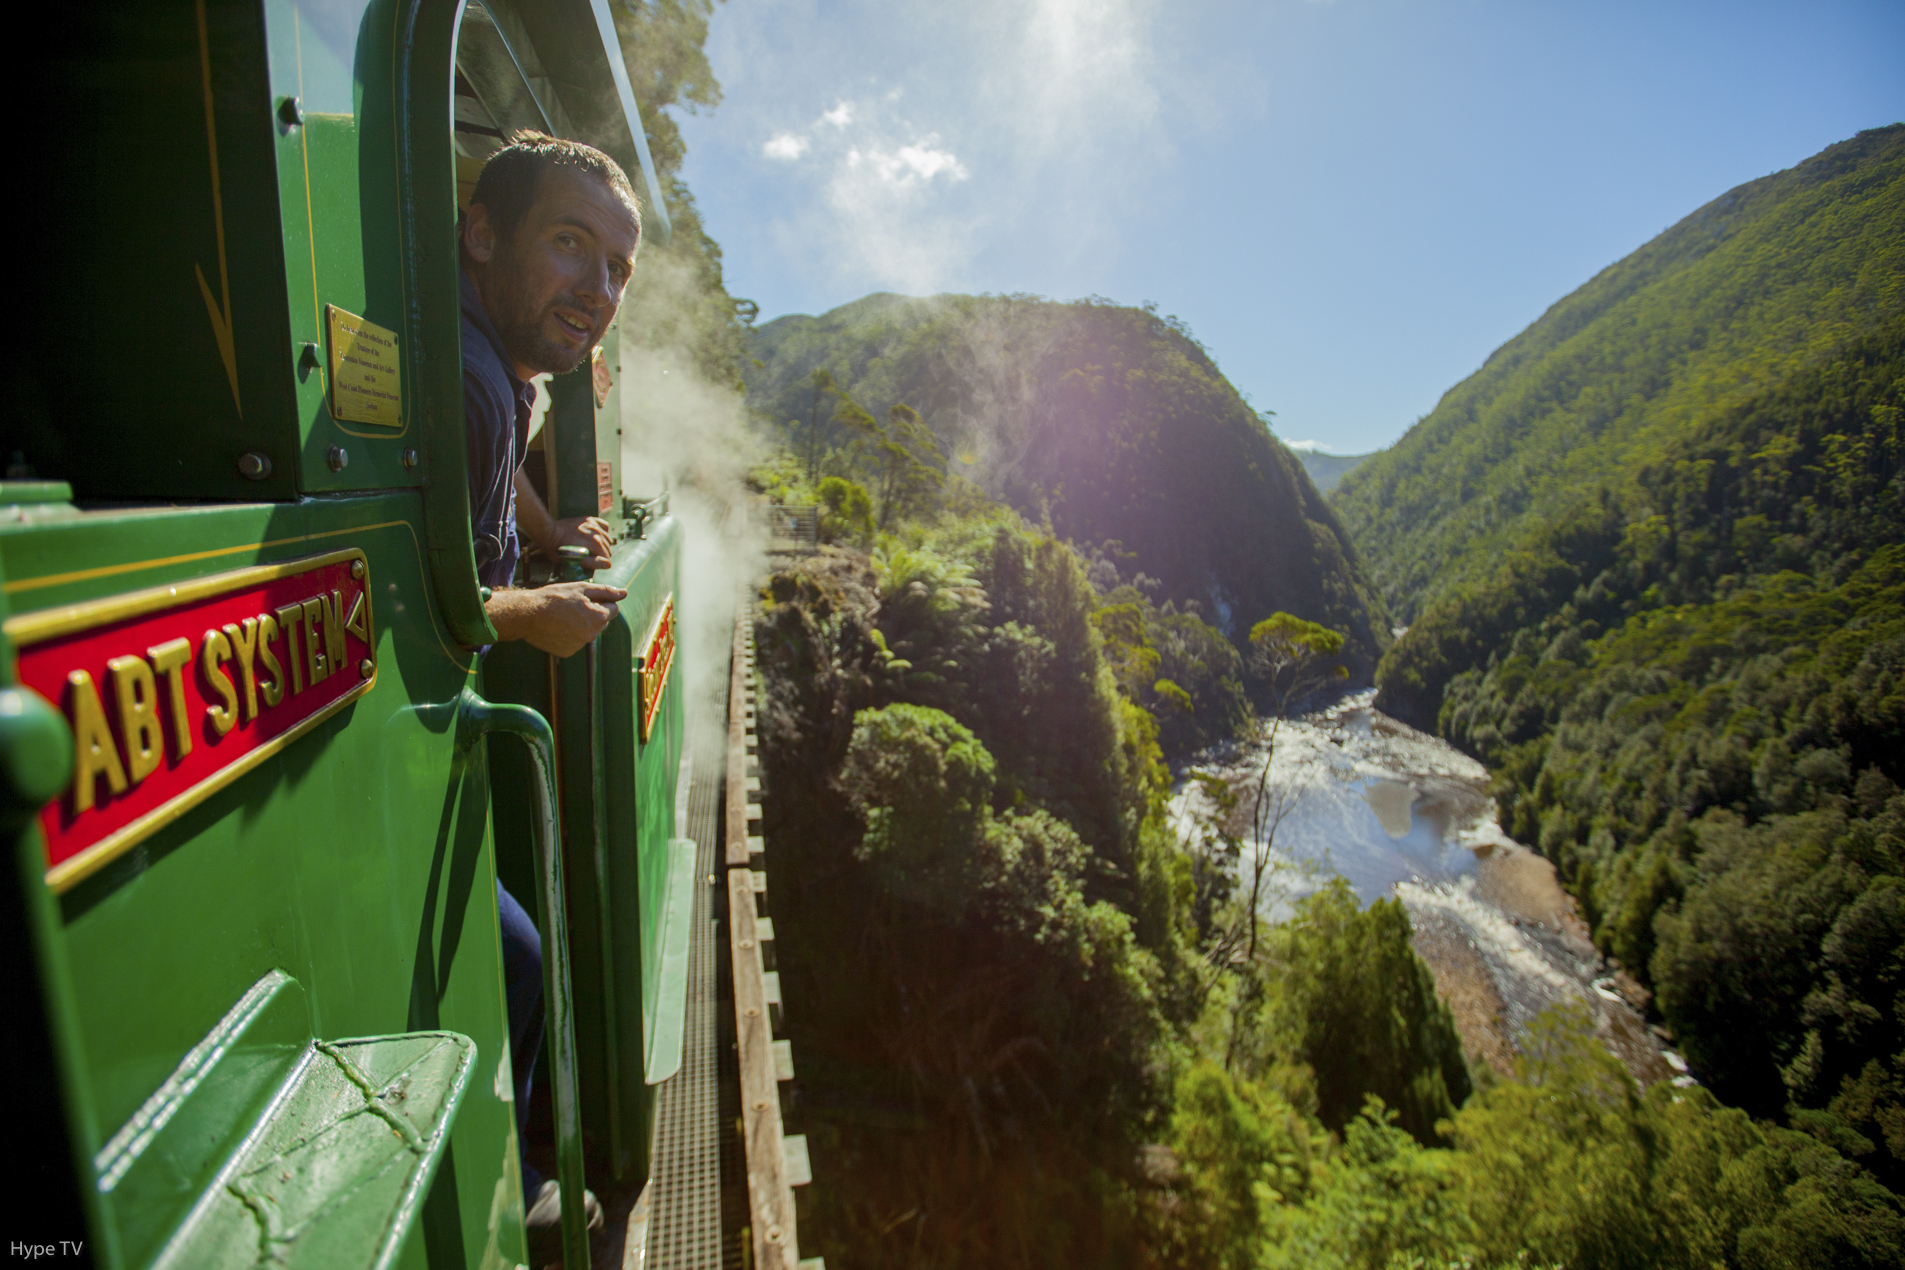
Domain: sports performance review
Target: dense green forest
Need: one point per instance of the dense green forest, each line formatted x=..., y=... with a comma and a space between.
x=1763, y=281
x=1111, y=423
x=1654, y=555
x=1718, y=777
x=1038, y=1026
x=1037, y=1037
x=1037, y=1023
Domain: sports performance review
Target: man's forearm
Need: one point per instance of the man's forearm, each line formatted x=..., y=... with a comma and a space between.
x=511, y=612
x=558, y=619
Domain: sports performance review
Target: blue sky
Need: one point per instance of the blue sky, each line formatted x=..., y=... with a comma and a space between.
x=1350, y=202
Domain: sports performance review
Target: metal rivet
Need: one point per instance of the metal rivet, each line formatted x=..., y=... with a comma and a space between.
x=253, y=466
x=357, y=570
x=290, y=112
x=747, y=943
x=365, y=669
x=411, y=458
x=773, y=1232
x=760, y=1106
x=339, y=458
x=751, y=1013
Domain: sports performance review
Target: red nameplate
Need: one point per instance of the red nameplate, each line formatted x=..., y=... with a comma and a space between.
x=658, y=658
x=175, y=692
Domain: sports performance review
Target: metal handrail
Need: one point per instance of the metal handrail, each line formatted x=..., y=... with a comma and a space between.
x=799, y=525
x=477, y=718
x=640, y=513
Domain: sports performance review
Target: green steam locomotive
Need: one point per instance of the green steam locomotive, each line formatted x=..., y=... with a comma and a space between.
x=260, y=780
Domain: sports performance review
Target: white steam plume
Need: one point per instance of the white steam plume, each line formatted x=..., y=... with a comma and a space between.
x=684, y=432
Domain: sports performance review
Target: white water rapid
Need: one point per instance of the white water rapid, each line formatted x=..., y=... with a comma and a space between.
x=1397, y=812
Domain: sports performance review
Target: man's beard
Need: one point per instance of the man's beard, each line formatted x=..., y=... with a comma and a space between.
x=522, y=328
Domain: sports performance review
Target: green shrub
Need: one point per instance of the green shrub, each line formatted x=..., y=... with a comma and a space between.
x=1363, y=1009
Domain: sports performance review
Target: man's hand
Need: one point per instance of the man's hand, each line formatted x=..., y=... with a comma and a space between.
x=582, y=531
x=558, y=619
x=548, y=533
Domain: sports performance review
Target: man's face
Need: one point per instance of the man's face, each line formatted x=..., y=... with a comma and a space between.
x=553, y=289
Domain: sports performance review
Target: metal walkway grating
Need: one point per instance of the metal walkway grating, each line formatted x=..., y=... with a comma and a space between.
x=685, y=1230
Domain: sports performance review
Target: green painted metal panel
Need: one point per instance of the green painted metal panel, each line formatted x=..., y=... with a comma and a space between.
x=171, y=1149
x=162, y=152
x=356, y=860
x=669, y=993
x=648, y=773
x=579, y=723
x=36, y=761
x=626, y=928
x=339, y=193
x=271, y=157
x=618, y=818
x=176, y=133
x=336, y=1173
x=641, y=828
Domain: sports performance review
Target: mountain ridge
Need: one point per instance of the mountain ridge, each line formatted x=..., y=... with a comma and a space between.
x=1653, y=561
x=1112, y=422
x=1717, y=307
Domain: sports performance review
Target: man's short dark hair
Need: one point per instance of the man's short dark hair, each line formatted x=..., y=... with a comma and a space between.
x=513, y=175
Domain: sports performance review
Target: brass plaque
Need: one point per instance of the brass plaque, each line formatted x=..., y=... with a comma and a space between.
x=366, y=377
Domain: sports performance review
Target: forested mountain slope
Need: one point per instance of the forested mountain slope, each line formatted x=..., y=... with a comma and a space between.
x=1328, y=470
x=1724, y=305
x=1719, y=780
x=1112, y=421
x=1654, y=554
x=1044, y=1021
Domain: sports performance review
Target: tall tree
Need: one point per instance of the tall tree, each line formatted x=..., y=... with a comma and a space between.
x=1292, y=658
x=664, y=45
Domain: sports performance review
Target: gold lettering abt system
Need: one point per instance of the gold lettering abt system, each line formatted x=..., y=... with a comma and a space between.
x=174, y=692
x=657, y=659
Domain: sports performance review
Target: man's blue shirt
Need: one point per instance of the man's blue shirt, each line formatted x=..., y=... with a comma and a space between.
x=496, y=410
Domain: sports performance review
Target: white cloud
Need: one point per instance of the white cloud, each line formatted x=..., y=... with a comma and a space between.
x=903, y=167
x=1302, y=445
x=840, y=116
x=785, y=147
x=890, y=215
x=928, y=162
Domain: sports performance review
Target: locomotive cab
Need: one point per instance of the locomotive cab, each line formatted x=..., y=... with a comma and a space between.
x=261, y=778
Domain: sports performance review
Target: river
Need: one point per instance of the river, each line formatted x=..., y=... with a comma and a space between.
x=1397, y=812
